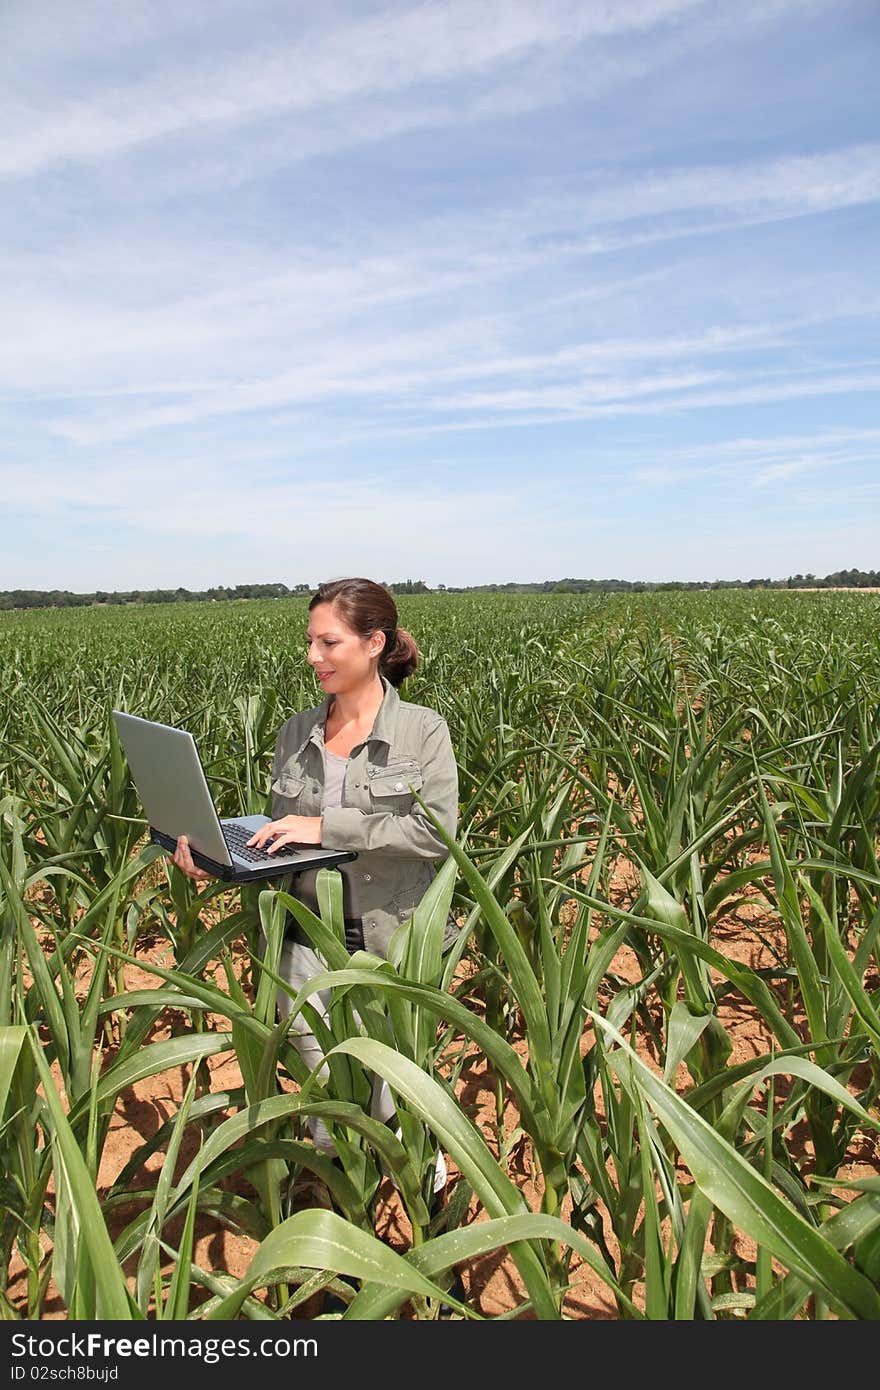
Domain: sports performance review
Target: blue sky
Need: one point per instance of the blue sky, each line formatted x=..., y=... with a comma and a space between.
x=465, y=292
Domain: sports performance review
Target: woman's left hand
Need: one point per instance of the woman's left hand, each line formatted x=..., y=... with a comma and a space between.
x=289, y=830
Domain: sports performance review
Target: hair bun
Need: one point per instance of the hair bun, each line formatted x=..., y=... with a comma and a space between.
x=401, y=658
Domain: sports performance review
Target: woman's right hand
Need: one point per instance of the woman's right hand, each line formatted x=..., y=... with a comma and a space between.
x=184, y=861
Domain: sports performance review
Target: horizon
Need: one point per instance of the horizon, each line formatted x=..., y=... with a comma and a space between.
x=439, y=289
x=302, y=590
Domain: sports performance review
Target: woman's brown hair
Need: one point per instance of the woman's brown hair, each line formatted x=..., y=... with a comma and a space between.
x=368, y=607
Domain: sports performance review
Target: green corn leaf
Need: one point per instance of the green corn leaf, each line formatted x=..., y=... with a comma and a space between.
x=12, y=1042
x=324, y=1240
x=790, y=910
x=684, y=1032
x=744, y=1196
x=523, y=981
x=482, y=1238
x=436, y=1108
x=177, y=1306
x=112, y=1299
x=859, y=998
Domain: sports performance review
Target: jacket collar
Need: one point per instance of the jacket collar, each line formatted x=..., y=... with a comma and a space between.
x=384, y=725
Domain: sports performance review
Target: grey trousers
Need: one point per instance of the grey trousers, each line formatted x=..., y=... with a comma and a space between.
x=300, y=963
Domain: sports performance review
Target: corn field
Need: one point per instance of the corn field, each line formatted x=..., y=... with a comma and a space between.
x=666, y=974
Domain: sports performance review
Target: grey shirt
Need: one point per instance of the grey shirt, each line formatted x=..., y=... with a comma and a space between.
x=334, y=776
x=334, y=780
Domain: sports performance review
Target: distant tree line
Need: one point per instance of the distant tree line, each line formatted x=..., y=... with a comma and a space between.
x=841, y=579
x=64, y=598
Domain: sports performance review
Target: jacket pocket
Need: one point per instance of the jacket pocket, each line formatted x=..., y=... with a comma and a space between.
x=391, y=787
x=289, y=785
x=410, y=892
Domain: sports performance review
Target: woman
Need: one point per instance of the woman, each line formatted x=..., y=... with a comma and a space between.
x=343, y=776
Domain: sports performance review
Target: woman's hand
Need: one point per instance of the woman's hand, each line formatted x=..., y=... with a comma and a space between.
x=184, y=861
x=289, y=830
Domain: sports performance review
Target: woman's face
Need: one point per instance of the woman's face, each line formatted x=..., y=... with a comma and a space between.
x=341, y=659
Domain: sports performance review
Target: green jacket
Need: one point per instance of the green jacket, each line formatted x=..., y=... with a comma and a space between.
x=398, y=849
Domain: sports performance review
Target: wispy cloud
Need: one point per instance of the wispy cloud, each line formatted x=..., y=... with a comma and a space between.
x=790, y=186
x=583, y=382
x=70, y=330
x=761, y=461
x=383, y=53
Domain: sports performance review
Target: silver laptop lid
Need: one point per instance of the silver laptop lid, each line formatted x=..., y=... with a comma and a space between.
x=171, y=783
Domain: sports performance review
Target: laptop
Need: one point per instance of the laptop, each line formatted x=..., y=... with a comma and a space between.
x=171, y=783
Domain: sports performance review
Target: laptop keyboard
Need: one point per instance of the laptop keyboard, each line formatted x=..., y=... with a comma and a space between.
x=237, y=836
